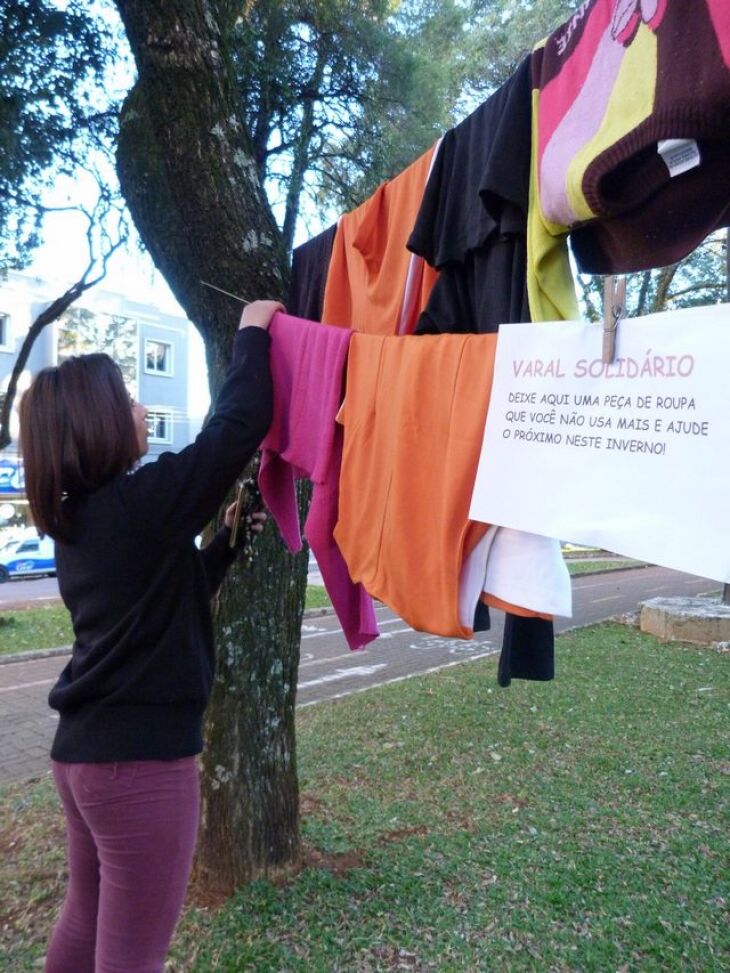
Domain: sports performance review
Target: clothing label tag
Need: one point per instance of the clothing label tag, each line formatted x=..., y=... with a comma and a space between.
x=679, y=155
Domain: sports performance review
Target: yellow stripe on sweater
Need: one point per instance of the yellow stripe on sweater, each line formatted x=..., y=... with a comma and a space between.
x=631, y=103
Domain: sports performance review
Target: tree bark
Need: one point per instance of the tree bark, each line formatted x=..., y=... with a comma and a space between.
x=250, y=817
x=188, y=174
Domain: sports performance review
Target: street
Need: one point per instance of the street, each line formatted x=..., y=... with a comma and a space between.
x=18, y=592
x=328, y=670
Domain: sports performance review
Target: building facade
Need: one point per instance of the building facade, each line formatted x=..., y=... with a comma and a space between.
x=151, y=347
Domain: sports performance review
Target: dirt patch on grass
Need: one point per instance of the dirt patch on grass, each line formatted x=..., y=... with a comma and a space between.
x=387, y=957
x=11, y=843
x=462, y=821
x=399, y=834
x=338, y=863
x=510, y=799
x=310, y=805
x=203, y=899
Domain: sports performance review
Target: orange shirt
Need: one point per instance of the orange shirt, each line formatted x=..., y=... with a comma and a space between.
x=414, y=419
x=369, y=265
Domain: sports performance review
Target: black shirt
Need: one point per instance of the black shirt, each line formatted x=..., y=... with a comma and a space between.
x=309, y=265
x=139, y=590
x=473, y=219
x=479, y=184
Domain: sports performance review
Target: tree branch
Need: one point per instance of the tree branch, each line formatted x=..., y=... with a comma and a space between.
x=705, y=285
x=665, y=278
x=643, y=292
x=56, y=308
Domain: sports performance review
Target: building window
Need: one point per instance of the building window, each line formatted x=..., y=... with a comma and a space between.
x=5, y=332
x=157, y=357
x=159, y=424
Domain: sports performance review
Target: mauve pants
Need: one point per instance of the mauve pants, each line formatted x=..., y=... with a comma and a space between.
x=131, y=835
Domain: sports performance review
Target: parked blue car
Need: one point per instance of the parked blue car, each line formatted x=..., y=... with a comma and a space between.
x=27, y=557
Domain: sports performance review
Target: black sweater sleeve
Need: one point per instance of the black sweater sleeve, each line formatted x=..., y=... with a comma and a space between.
x=217, y=557
x=175, y=497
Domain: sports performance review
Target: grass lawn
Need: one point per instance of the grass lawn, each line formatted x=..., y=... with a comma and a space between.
x=34, y=628
x=449, y=825
x=316, y=597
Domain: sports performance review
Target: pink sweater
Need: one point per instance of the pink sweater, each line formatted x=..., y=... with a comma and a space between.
x=305, y=440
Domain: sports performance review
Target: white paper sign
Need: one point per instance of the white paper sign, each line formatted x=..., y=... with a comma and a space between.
x=633, y=457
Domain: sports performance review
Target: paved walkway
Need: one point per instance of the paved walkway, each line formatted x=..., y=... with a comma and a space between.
x=26, y=729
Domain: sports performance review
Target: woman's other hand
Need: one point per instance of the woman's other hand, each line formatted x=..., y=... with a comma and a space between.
x=257, y=520
x=258, y=314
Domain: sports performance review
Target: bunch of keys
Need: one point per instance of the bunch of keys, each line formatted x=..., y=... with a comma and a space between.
x=248, y=502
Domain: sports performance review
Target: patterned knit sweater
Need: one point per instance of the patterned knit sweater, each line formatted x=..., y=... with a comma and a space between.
x=610, y=87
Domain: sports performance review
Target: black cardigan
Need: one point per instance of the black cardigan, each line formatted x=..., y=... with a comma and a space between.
x=139, y=590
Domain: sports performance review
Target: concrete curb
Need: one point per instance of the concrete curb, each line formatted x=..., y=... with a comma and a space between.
x=34, y=654
x=628, y=567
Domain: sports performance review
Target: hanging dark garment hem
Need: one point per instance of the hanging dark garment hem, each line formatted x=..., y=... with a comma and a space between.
x=528, y=650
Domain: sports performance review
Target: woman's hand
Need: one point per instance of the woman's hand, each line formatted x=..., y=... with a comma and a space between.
x=258, y=314
x=256, y=520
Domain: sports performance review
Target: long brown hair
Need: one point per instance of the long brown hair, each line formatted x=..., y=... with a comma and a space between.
x=76, y=433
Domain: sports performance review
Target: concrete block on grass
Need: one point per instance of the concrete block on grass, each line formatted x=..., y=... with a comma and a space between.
x=700, y=620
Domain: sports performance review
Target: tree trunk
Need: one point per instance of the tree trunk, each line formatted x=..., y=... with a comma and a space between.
x=189, y=177
x=250, y=820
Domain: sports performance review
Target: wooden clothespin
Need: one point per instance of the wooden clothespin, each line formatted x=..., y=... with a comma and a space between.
x=614, y=308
